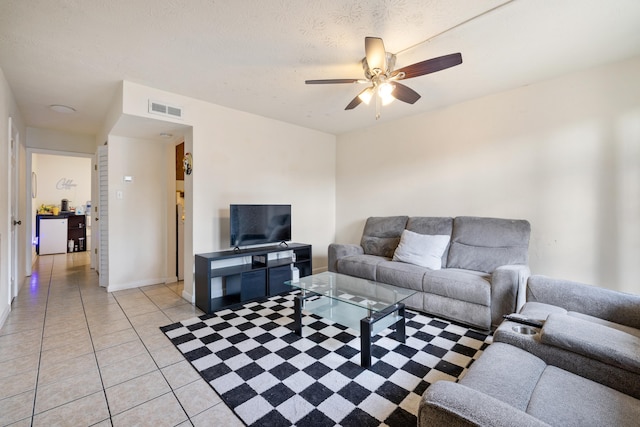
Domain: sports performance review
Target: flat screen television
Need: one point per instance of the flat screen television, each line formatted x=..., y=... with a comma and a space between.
x=259, y=224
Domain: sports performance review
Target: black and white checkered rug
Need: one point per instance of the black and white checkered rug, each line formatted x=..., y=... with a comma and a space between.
x=269, y=376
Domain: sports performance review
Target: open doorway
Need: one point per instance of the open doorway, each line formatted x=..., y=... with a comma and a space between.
x=180, y=211
x=61, y=191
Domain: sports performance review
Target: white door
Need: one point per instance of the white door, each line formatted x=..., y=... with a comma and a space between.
x=101, y=224
x=15, y=221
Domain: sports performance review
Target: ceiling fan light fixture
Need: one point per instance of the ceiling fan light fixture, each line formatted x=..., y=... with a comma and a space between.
x=366, y=95
x=387, y=99
x=385, y=92
x=385, y=89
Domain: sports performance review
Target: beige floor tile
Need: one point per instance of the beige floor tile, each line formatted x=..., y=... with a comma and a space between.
x=161, y=411
x=30, y=337
x=67, y=390
x=219, y=415
x=134, y=392
x=136, y=310
x=105, y=328
x=153, y=319
x=52, y=372
x=18, y=383
x=9, y=352
x=59, y=354
x=113, y=339
x=120, y=352
x=19, y=364
x=197, y=397
x=180, y=374
x=183, y=312
x=165, y=356
x=127, y=369
x=154, y=339
x=16, y=408
x=65, y=339
x=82, y=412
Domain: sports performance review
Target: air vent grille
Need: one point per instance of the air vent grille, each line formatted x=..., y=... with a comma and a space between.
x=156, y=107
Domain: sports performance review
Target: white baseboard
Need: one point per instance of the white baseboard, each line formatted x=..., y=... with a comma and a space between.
x=138, y=284
x=5, y=314
x=188, y=296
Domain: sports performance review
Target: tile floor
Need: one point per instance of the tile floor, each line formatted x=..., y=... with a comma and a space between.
x=72, y=354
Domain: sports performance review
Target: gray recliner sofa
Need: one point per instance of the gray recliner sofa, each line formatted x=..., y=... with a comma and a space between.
x=590, y=331
x=481, y=275
x=508, y=386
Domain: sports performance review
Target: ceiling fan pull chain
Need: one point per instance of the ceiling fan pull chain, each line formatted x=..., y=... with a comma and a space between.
x=378, y=101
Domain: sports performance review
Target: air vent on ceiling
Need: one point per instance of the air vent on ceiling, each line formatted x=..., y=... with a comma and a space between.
x=156, y=107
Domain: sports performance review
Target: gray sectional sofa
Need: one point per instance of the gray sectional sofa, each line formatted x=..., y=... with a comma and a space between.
x=508, y=386
x=590, y=331
x=479, y=276
x=579, y=367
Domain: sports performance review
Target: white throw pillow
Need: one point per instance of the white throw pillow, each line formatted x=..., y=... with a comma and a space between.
x=421, y=249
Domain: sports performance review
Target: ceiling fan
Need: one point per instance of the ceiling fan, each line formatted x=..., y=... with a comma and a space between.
x=378, y=65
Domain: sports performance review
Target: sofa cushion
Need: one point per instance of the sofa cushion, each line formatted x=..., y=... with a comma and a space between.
x=400, y=274
x=565, y=399
x=363, y=266
x=421, y=249
x=463, y=285
x=506, y=373
x=382, y=234
x=483, y=244
x=628, y=329
x=432, y=225
x=593, y=340
x=540, y=311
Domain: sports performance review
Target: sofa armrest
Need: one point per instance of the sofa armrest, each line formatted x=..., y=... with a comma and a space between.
x=508, y=286
x=602, y=303
x=339, y=250
x=451, y=404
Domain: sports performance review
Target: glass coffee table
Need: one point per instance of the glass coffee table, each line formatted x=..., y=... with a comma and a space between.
x=363, y=305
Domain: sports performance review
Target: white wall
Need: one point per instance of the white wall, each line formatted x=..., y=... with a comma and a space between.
x=244, y=158
x=8, y=108
x=563, y=154
x=138, y=221
x=48, y=139
x=62, y=177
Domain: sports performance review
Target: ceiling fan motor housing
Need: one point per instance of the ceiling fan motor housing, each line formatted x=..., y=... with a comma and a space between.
x=370, y=74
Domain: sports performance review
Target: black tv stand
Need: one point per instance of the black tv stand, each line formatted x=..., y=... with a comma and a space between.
x=235, y=276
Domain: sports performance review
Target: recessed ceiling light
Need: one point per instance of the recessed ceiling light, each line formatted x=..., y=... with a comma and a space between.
x=65, y=109
x=165, y=135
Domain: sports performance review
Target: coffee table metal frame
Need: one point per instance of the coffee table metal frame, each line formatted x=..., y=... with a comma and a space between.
x=355, y=303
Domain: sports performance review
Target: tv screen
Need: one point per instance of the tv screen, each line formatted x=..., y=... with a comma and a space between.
x=259, y=224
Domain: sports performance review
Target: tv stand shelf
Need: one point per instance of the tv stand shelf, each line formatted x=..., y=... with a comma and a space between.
x=231, y=277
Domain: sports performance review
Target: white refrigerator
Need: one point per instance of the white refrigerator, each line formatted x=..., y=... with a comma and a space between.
x=53, y=236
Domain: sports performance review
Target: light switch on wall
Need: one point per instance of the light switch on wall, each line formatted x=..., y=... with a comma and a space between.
x=119, y=194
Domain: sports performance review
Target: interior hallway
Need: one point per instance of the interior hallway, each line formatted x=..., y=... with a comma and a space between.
x=72, y=354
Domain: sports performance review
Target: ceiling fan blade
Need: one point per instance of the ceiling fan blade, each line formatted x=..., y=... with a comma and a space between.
x=375, y=53
x=430, y=65
x=330, y=81
x=356, y=101
x=405, y=93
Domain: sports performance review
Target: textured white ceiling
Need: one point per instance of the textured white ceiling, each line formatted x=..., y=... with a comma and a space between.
x=254, y=55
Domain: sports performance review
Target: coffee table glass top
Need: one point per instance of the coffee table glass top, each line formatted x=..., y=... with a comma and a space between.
x=373, y=296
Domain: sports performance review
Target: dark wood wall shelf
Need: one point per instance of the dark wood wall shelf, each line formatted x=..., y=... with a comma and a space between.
x=247, y=274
